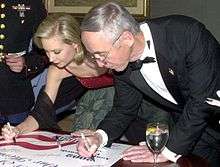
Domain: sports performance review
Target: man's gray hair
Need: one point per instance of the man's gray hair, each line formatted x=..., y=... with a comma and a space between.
x=111, y=18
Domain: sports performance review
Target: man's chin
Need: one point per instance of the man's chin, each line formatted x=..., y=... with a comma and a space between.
x=119, y=69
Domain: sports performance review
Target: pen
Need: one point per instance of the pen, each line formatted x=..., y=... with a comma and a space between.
x=58, y=142
x=9, y=126
x=87, y=145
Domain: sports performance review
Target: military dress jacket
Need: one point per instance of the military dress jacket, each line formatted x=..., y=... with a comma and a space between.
x=18, y=22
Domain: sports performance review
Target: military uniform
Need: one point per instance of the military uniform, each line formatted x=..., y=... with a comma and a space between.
x=18, y=21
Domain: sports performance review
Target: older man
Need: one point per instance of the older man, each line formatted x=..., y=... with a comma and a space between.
x=168, y=61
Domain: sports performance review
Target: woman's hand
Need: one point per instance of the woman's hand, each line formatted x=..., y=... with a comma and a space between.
x=141, y=153
x=9, y=133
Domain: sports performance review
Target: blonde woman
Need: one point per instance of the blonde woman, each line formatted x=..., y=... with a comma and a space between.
x=59, y=36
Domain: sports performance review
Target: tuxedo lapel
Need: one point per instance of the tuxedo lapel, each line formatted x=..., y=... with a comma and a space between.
x=170, y=79
x=164, y=60
x=139, y=81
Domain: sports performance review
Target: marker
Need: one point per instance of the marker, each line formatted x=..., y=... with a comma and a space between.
x=58, y=143
x=10, y=129
x=87, y=145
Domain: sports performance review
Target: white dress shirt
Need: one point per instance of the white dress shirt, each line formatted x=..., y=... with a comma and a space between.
x=151, y=71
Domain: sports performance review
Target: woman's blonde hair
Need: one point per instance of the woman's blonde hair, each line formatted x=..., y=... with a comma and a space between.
x=65, y=26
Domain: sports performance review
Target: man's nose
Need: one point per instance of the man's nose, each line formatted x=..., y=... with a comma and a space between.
x=100, y=63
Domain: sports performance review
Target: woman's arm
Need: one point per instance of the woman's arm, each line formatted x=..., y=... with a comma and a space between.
x=30, y=124
x=42, y=116
x=54, y=79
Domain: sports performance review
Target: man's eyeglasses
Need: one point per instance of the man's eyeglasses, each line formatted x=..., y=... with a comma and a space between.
x=102, y=56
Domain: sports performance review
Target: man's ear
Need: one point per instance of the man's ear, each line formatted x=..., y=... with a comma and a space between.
x=127, y=38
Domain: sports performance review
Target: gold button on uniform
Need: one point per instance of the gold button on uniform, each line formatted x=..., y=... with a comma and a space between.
x=2, y=15
x=1, y=47
x=2, y=5
x=2, y=26
x=1, y=55
x=2, y=36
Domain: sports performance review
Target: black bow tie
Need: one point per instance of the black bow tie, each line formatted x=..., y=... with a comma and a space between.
x=138, y=64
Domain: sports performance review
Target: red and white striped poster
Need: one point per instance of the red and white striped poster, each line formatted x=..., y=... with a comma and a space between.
x=47, y=149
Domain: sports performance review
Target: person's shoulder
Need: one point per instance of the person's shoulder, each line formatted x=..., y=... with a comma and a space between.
x=182, y=19
x=177, y=21
x=123, y=75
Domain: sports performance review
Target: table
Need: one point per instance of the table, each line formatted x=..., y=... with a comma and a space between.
x=184, y=161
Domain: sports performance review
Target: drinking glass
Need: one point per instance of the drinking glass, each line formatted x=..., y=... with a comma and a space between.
x=157, y=135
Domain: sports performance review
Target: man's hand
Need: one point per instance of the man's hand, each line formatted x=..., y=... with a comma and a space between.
x=141, y=153
x=16, y=63
x=93, y=141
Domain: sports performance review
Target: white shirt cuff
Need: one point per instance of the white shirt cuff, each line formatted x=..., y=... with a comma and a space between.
x=104, y=137
x=170, y=155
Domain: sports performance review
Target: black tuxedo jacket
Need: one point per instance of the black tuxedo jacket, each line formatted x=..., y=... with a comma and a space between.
x=187, y=54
